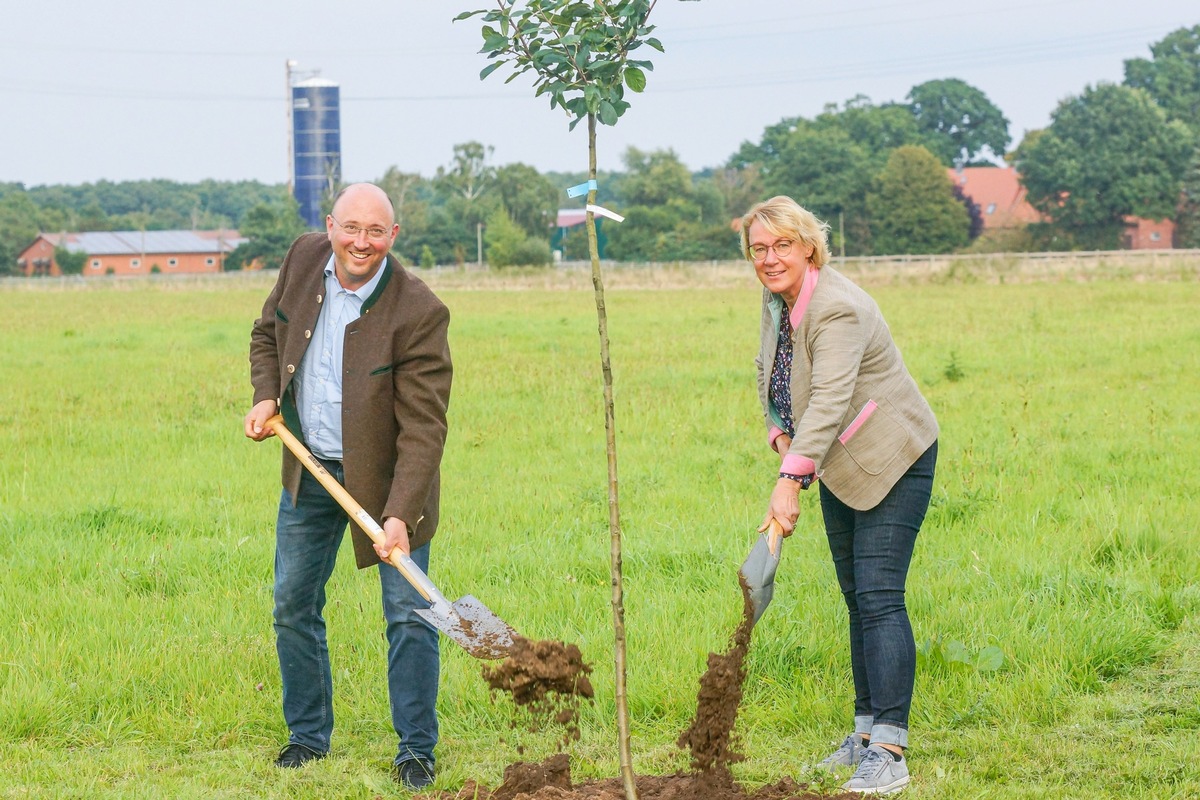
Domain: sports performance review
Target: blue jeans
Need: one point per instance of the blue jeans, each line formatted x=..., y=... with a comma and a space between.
x=307, y=537
x=871, y=553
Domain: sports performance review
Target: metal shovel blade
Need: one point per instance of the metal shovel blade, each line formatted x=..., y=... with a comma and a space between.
x=472, y=625
x=758, y=570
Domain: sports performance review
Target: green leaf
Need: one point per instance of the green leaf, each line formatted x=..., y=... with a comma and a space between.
x=489, y=69
x=602, y=68
x=608, y=114
x=956, y=652
x=989, y=659
x=656, y=44
x=635, y=79
x=468, y=15
x=495, y=43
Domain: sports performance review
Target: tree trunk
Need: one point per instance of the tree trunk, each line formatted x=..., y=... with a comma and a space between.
x=614, y=509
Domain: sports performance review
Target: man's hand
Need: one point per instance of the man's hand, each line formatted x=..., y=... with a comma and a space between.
x=256, y=420
x=395, y=534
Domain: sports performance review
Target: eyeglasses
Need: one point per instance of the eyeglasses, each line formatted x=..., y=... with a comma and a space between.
x=372, y=233
x=781, y=248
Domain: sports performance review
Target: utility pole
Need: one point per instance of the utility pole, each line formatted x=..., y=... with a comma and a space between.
x=291, y=161
x=842, y=232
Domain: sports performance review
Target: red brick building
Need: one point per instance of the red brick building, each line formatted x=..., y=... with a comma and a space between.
x=132, y=252
x=1001, y=199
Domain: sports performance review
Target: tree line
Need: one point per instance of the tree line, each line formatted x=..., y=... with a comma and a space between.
x=875, y=172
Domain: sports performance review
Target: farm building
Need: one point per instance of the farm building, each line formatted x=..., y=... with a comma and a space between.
x=132, y=252
x=1001, y=199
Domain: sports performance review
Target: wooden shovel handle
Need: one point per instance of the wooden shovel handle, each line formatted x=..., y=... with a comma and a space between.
x=774, y=535
x=397, y=558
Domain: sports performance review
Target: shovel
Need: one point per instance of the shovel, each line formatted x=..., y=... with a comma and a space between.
x=758, y=570
x=466, y=621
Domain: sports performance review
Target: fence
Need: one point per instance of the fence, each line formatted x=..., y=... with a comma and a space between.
x=1138, y=265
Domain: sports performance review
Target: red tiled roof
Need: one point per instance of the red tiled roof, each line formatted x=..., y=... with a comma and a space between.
x=998, y=193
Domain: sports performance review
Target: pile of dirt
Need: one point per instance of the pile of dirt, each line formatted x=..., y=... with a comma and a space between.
x=550, y=678
x=551, y=780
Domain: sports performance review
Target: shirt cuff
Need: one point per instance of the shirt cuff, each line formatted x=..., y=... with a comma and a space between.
x=798, y=465
x=772, y=435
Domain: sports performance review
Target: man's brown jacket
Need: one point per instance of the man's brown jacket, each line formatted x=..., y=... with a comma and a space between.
x=396, y=376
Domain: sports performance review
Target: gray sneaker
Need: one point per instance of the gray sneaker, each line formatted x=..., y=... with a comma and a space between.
x=878, y=773
x=848, y=755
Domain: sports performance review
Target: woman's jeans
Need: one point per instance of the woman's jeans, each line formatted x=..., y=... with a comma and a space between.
x=306, y=544
x=871, y=554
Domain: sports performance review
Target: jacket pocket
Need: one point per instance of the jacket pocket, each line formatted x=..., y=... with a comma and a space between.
x=280, y=315
x=384, y=370
x=874, y=439
x=858, y=421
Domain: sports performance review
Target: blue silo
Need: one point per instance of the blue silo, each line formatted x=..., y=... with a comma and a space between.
x=317, y=146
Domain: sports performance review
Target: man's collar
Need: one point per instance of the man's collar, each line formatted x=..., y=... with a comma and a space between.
x=364, y=291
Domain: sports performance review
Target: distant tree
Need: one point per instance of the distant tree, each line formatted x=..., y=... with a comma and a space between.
x=668, y=216
x=404, y=190
x=653, y=178
x=1172, y=75
x=159, y=204
x=828, y=173
x=912, y=206
x=270, y=228
x=507, y=245
x=427, y=258
x=1108, y=154
x=973, y=211
x=70, y=263
x=444, y=231
x=469, y=174
x=739, y=187
x=962, y=125
x=1187, y=219
x=18, y=228
x=638, y=237
x=878, y=130
x=530, y=199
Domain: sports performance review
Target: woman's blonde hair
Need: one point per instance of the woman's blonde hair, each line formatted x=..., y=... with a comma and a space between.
x=784, y=217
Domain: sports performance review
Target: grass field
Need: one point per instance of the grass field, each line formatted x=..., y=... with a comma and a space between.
x=1054, y=592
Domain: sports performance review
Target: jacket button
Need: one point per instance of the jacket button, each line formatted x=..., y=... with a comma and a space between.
x=319, y=298
x=291, y=368
x=308, y=334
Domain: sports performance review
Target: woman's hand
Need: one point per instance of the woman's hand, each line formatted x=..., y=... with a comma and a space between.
x=782, y=444
x=784, y=506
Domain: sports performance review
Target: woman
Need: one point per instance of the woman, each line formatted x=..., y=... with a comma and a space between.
x=841, y=407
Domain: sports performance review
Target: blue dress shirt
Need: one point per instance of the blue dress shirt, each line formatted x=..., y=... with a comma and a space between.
x=319, y=379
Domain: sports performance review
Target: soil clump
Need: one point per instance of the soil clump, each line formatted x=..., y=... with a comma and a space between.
x=546, y=678
x=710, y=735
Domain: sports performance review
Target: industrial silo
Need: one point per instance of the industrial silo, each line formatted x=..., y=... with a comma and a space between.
x=317, y=146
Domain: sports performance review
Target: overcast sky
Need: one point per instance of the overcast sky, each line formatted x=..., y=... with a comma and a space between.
x=133, y=89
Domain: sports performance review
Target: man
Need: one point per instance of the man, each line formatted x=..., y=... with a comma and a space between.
x=352, y=350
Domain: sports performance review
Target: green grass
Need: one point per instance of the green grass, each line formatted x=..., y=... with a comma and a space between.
x=136, y=530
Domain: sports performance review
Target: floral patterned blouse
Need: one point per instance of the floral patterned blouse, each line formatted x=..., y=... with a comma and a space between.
x=780, y=389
